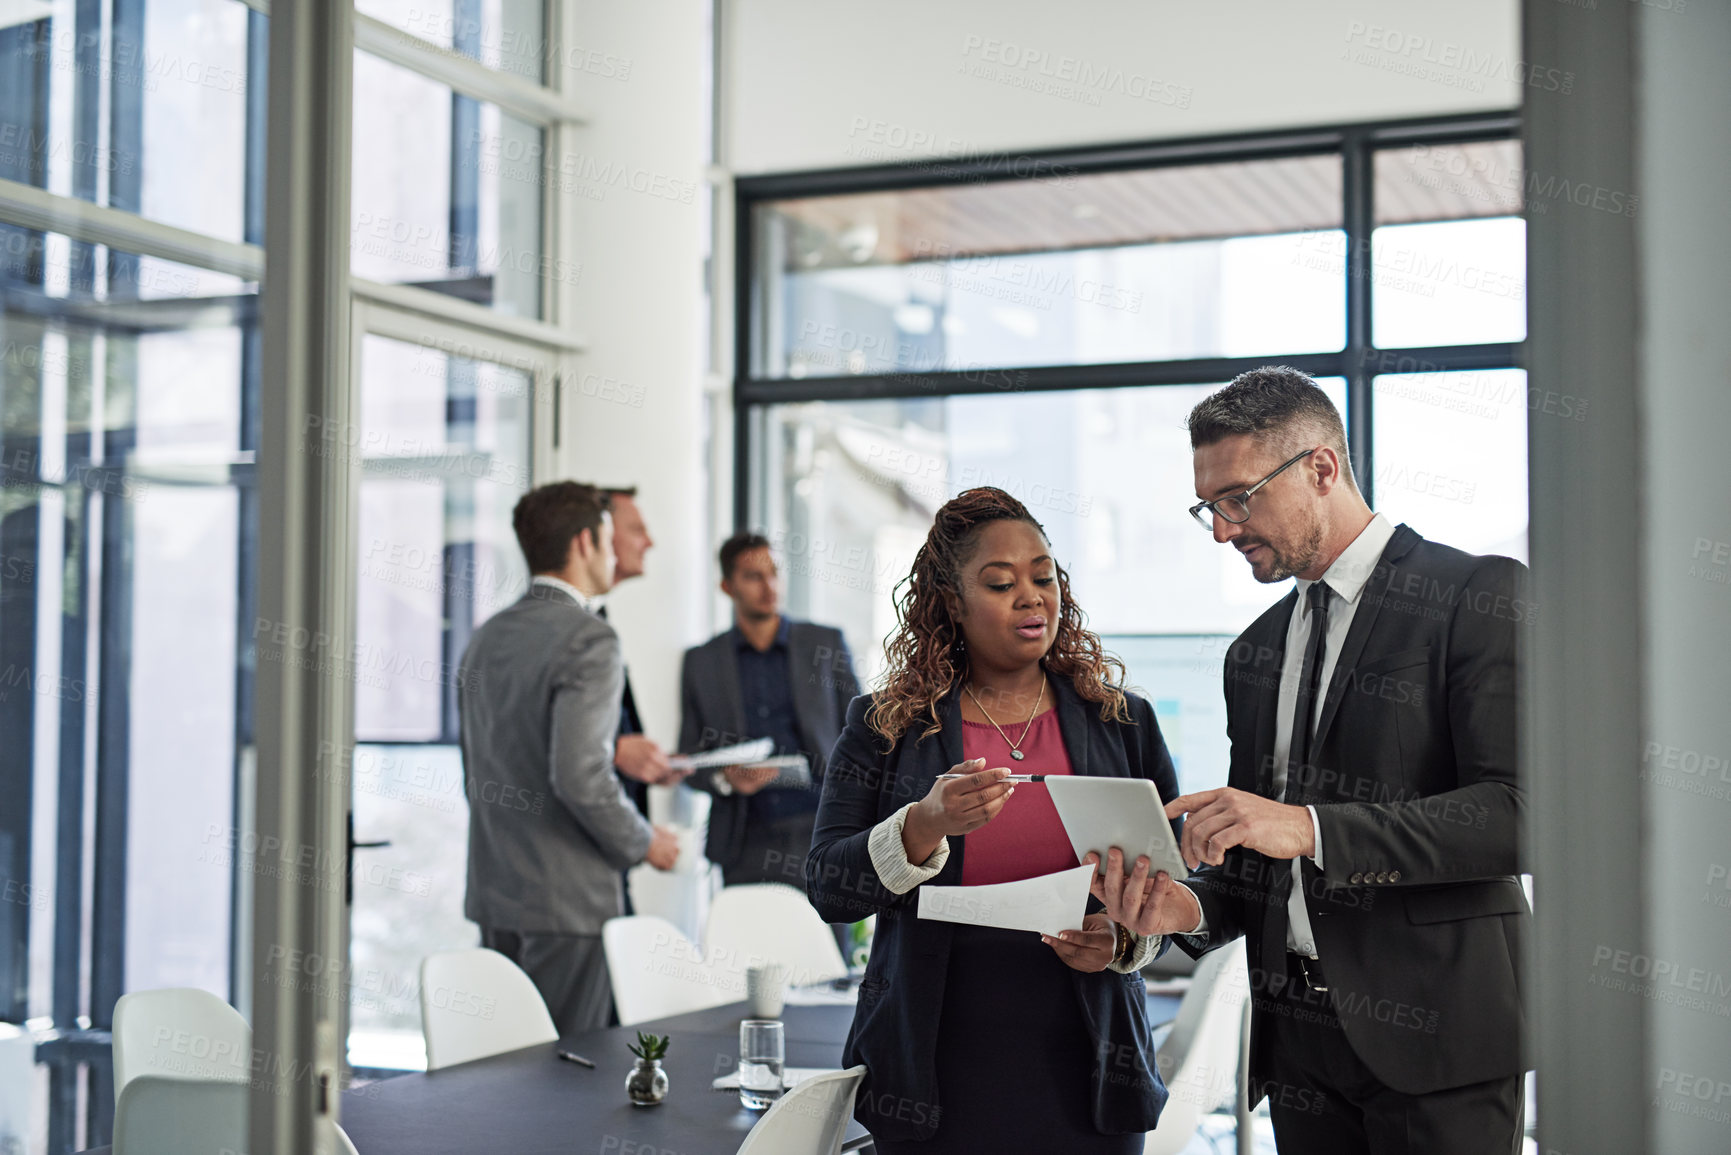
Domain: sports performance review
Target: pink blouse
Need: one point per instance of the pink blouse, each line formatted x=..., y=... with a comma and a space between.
x=1026, y=839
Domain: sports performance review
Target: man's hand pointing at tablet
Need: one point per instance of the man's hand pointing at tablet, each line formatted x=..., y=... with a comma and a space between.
x=1224, y=818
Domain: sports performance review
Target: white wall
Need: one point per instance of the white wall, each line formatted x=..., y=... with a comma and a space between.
x=833, y=83
x=633, y=414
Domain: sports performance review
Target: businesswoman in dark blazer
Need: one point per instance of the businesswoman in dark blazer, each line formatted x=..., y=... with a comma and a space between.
x=979, y=1039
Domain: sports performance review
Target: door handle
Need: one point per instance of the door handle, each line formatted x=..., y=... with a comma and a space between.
x=349, y=859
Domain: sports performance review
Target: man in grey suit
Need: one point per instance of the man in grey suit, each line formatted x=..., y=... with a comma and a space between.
x=767, y=677
x=540, y=686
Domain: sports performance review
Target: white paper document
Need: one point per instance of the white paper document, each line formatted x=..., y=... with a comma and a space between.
x=755, y=750
x=1047, y=904
x=790, y=1077
x=793, y=772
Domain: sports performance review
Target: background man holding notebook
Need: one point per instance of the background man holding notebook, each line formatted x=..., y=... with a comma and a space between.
x=1366, y=843
x=767, y=677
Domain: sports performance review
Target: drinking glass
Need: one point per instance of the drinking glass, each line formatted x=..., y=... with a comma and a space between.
x=762, y=1047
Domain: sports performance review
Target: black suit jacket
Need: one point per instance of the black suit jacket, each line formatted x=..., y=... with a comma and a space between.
x=895, y=1026
x=1420, y=920
x=630, y=723
x=712, y=713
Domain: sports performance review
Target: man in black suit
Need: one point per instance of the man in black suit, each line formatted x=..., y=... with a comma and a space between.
x=639, y=759
x=767, y=677
x=1366, y=845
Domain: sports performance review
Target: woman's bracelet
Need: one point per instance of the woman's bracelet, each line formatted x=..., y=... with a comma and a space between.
x=1126, y=944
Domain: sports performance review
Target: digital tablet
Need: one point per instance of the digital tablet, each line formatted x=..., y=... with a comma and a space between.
x=1100, y=813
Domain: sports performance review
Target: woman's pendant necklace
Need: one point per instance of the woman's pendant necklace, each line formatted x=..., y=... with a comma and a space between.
x=1015, y=747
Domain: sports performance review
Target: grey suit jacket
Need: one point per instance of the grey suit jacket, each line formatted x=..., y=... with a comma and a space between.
x=549, y=826
x=713, y=714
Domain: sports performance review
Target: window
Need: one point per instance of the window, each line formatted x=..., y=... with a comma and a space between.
x=1449, y=269
x=501, y=34
x=140, y=107
x=1449, y=252
x=128, y=426
x=447, y=191
x=444, y=447
x=126, y=497
x=130, y=400
x=1044, y=324
x=1060, y=270
x=1452, y=455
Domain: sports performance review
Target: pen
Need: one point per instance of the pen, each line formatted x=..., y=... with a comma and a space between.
x=573, y=1057
x=1006, y=778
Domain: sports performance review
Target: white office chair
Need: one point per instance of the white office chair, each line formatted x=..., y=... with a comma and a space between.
x=160, y=1116
x=811, y=1119
x=681, y=895
x=179, y=1033
x=656, y=971
x=17, y=1086
x=1199, y=1058
x=167, y=1116
x=459, y=988
x=771, y=922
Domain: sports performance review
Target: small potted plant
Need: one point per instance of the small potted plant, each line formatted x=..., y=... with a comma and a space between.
x=647, y=1082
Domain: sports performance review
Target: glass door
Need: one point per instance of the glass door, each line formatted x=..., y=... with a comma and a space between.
x=445, y=444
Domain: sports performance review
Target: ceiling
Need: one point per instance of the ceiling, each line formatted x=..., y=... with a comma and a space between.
x=1147, y=206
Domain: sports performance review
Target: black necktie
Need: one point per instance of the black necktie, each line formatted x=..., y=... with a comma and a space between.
x=1299, y=777
x=1299, y=773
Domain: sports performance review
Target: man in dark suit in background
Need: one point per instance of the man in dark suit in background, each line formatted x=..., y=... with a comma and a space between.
x=1366, y=845
x=549, y=827
x=767, y=677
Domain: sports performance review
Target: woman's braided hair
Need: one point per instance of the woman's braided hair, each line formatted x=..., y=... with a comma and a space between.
x=927, y=658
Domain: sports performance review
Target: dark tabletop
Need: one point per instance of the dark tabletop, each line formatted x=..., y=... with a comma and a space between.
x=529, y=1101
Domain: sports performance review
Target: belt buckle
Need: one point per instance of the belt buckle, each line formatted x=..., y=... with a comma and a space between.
x=1304, y=965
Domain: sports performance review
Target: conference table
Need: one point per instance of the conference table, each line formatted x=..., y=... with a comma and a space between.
x=530, y=1101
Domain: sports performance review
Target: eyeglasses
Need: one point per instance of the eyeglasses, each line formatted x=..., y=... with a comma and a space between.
x=1236, y=508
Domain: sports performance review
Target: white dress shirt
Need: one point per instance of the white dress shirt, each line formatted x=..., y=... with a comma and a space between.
x=591, y=603
x=1345, y=580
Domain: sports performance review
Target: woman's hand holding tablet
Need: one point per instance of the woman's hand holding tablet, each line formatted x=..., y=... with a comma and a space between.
x=1144, y=905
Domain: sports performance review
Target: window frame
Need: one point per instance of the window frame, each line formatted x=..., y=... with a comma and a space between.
x=1359, y=361
x=386, y=315
x=76, y=1034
